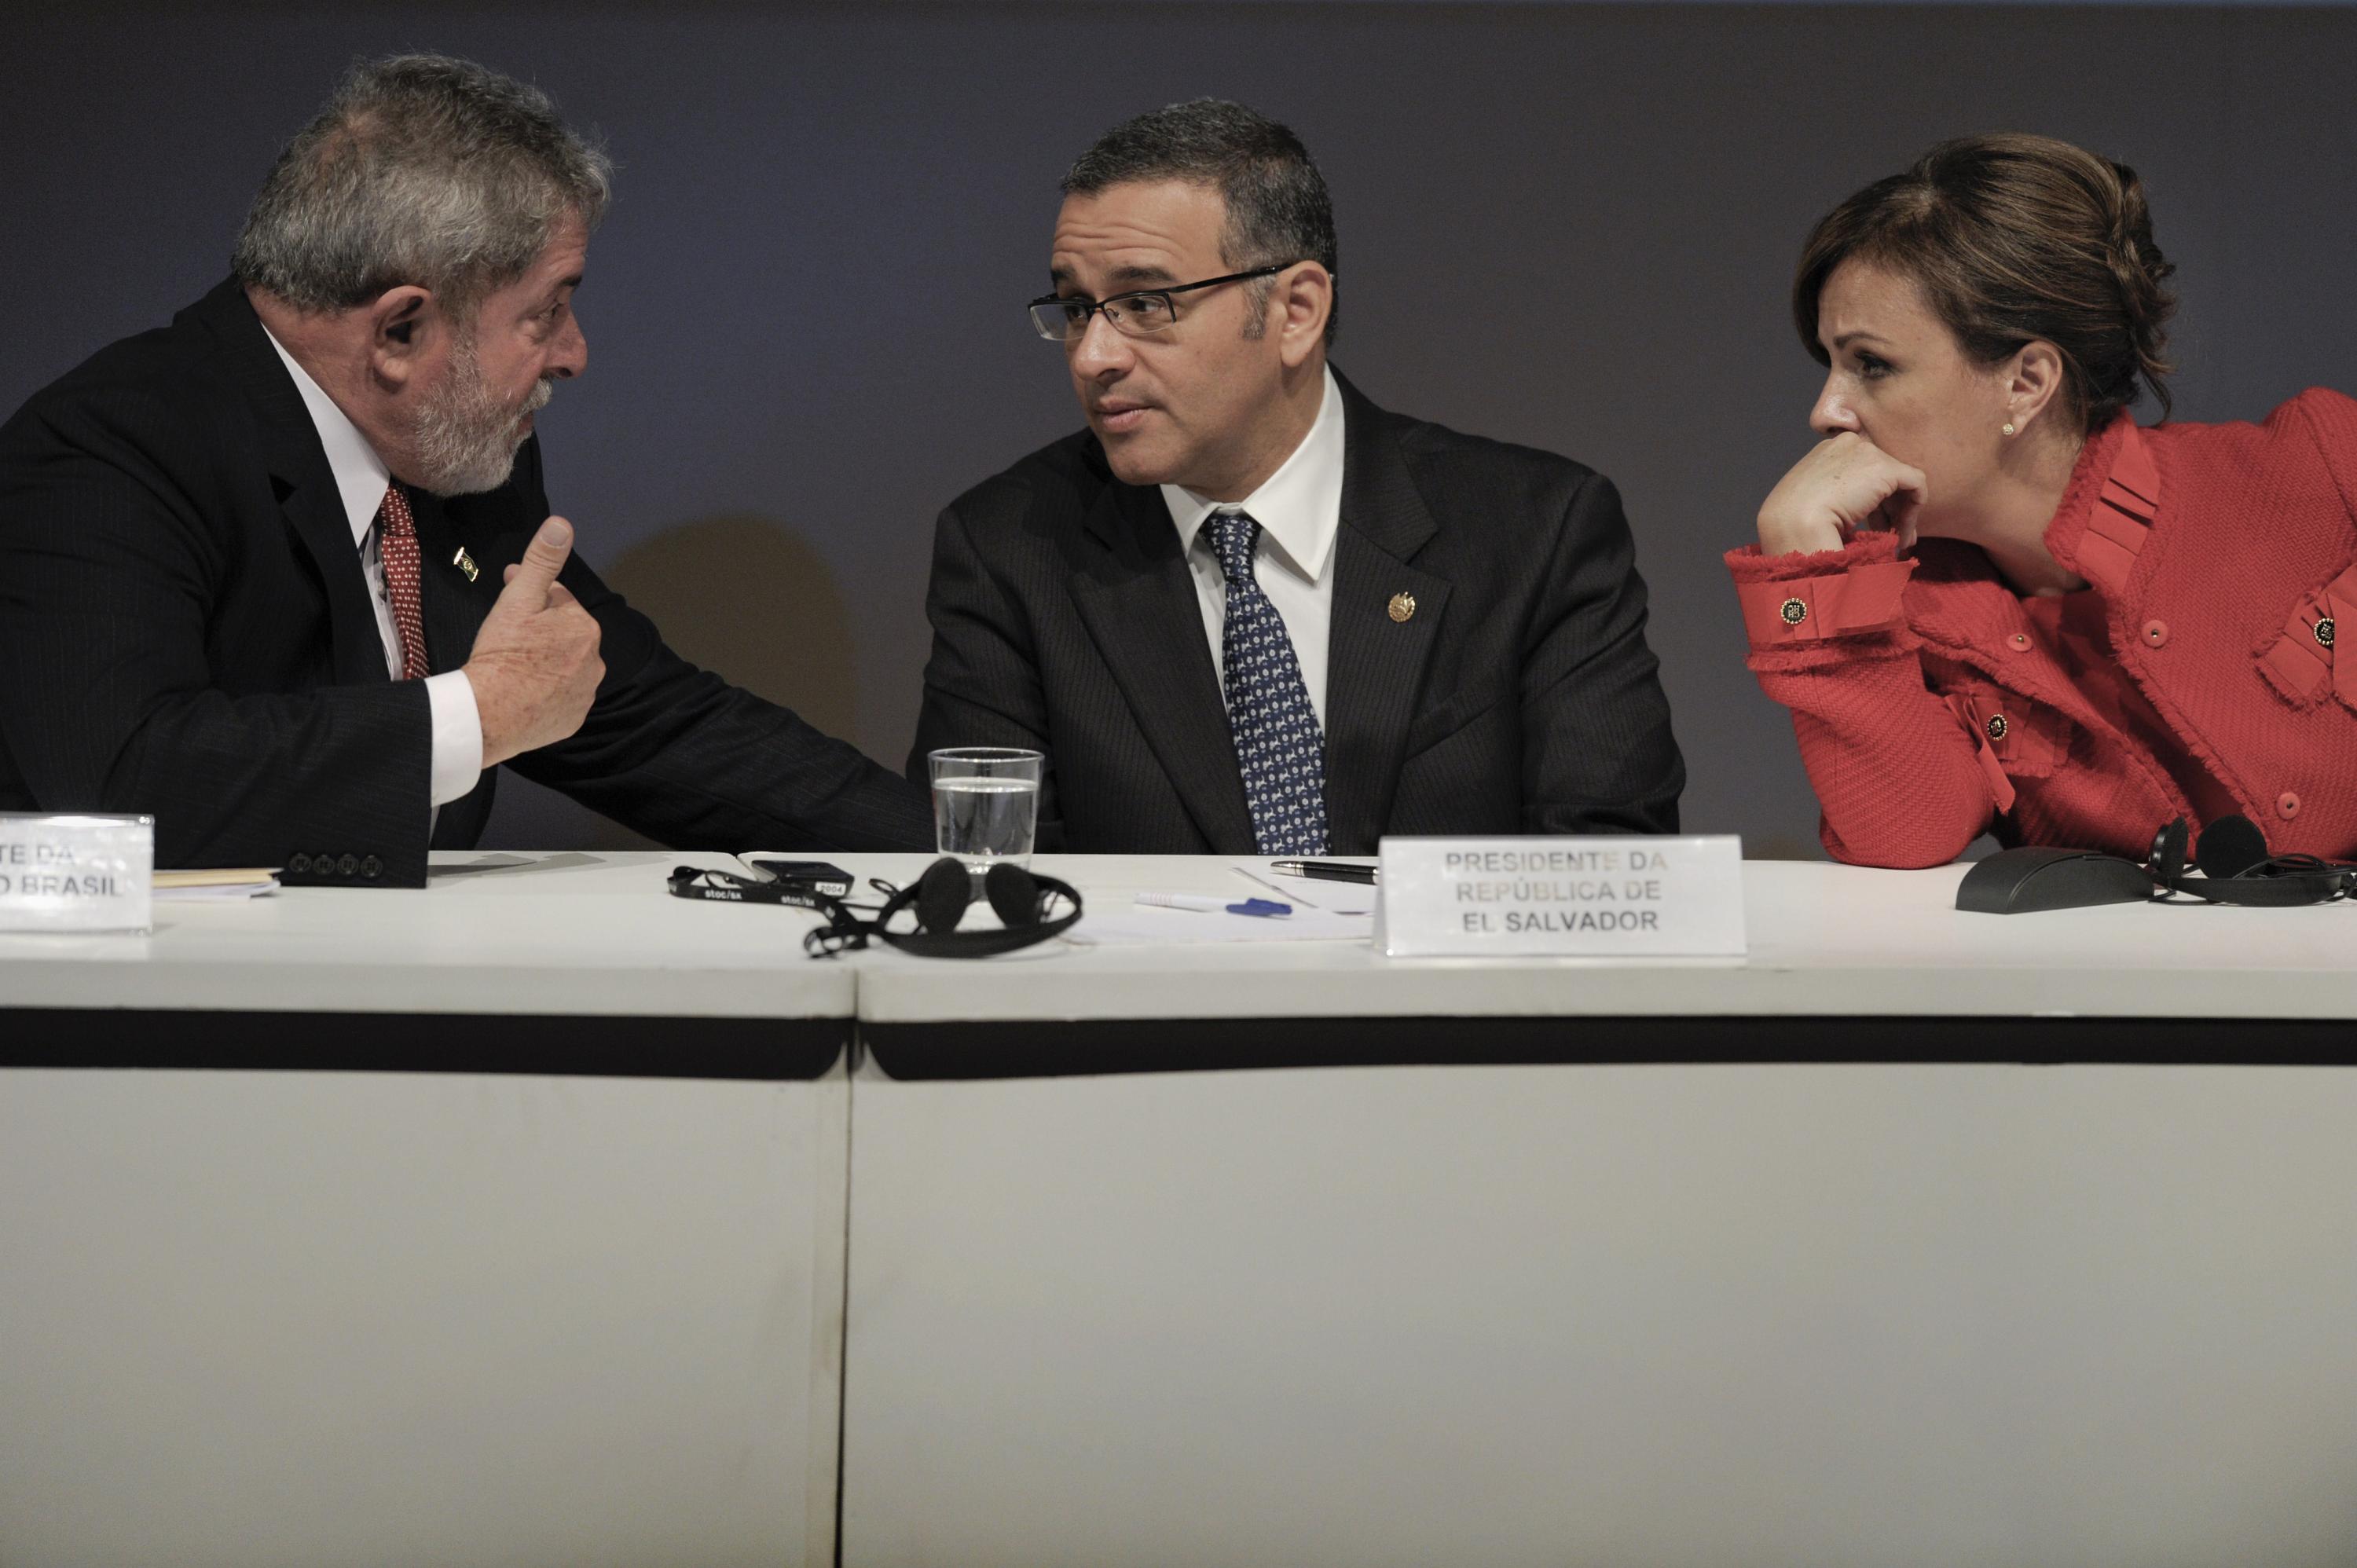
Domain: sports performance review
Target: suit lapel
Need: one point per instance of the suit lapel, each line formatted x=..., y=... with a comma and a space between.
x=1375, y=665
x=1137, y=600
x=304, y=484
x=314, y=509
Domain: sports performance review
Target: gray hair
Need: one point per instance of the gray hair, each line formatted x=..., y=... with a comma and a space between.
x=423, y=170
x=1278, y=208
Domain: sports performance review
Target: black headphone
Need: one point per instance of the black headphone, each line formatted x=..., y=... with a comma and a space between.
x=940, y=899
x=2237, y=869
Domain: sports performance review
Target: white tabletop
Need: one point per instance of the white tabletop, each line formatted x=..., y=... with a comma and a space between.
x=566, y=933
x=578, y=933
x=1825, y=940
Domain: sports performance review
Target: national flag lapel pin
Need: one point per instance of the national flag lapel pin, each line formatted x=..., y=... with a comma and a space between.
x=466, y=563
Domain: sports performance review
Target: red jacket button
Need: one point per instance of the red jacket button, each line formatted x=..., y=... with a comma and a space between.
x=2287, y=803
x=2156, y=633
x=2018, y=641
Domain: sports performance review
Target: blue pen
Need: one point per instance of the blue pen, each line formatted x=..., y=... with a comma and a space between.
x=1262, y=907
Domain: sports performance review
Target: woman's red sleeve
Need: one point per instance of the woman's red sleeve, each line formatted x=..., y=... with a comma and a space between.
x=1900, y=781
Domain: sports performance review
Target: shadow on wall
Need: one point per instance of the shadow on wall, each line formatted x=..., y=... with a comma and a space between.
x=742, y=596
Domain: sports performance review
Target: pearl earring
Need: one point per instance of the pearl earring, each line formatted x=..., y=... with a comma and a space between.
x=2008, y=427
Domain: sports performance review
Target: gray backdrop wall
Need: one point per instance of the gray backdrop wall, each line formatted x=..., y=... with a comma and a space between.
x=1570, y=226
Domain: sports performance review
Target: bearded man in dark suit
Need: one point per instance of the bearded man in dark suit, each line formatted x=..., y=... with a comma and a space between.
x=283, y=573
x=1247, y=611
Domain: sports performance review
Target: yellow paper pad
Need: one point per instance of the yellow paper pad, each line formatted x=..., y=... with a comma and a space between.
x=215, y=876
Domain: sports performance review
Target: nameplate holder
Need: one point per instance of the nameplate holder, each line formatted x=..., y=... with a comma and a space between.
x=75, y=872
x=1584, y=897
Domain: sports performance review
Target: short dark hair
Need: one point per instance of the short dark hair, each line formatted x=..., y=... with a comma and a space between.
x=422, y=169
x=1278, y=208
x=2013, y=238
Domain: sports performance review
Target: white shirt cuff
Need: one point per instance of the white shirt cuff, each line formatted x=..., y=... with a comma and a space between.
x=458, y=734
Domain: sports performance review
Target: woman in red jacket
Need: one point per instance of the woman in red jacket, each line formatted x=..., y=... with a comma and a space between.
x=1996, y=604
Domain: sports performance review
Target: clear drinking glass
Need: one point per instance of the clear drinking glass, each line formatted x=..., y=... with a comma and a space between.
x=986, y=804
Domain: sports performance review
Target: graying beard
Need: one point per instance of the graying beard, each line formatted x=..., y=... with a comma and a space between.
x=461, y=452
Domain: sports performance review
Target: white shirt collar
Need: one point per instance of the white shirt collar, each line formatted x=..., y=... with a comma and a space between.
x=1299, y=508
x=362, y=477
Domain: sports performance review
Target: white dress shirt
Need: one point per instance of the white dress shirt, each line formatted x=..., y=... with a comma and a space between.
x=1300, y=510
x=362, y=479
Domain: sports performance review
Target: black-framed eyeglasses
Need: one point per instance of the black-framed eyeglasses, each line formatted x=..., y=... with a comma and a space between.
x=1140, y=313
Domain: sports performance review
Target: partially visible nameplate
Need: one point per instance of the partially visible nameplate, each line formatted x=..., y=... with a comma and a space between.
x=1599, y=897
x=76, y=873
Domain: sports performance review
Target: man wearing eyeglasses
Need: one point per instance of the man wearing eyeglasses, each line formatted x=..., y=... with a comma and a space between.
x=1247, y=611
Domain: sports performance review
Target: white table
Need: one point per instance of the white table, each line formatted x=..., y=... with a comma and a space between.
x=1827, y=940
x=492, y=936
x=1591, y=1301
x=505, y=1221
x=496, y=1223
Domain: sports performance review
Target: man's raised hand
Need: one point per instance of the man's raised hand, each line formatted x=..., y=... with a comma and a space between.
x=535, y=665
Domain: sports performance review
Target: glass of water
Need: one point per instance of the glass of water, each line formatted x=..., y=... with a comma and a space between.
x=986, y=804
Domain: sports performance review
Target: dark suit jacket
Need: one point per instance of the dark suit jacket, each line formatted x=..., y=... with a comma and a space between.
x=184, y=629
x=1519, y=697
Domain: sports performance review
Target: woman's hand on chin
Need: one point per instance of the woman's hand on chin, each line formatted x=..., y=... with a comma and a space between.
x=1845, y=480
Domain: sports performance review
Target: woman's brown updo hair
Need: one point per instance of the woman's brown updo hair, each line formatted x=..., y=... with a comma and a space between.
x=2013, y=238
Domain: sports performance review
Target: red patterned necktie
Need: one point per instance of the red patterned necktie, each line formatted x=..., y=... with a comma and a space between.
x=396, y=541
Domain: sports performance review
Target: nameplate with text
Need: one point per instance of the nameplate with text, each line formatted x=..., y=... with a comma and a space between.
x=1590, y=897
x=73, y=873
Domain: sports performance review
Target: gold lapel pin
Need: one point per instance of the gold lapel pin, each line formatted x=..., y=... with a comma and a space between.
x=1402, y=606
x=466, y=563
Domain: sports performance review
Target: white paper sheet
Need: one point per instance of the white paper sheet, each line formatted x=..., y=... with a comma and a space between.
x=1135, y=925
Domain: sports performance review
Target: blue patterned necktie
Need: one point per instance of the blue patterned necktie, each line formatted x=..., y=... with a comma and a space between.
x=1278, y=743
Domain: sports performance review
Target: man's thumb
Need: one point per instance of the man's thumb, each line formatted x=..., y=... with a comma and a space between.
x=544, y=558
